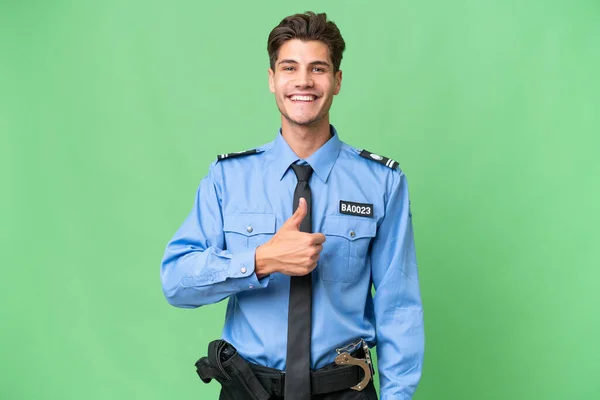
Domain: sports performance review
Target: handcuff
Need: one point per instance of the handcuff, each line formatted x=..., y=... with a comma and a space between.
x=344, y=358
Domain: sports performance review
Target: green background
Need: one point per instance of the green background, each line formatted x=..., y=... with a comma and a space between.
x=111, y=111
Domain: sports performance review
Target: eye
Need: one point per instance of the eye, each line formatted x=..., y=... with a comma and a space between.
x=318, y=69
x=288, y=68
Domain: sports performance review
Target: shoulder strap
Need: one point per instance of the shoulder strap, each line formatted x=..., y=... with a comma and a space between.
x=238, y=154
x=388, y=162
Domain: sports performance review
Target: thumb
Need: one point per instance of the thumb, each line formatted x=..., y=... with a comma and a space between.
x=296, y=219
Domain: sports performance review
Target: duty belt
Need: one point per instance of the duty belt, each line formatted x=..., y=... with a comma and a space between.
x=350, y=370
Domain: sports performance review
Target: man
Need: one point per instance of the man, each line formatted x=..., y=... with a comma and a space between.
x=299, y=282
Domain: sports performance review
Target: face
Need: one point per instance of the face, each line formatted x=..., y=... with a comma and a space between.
x=303, y=81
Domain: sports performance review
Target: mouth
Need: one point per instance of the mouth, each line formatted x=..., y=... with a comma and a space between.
x=302, y=98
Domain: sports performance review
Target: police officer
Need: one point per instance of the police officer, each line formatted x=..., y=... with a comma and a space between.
x=295, y=234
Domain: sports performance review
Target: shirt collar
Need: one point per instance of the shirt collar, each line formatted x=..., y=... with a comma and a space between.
x=321, y=161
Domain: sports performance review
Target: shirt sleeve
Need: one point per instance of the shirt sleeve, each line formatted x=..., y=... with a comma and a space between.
x=397, y=300
x=196, y=268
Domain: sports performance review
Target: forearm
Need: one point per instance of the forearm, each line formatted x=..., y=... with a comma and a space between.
x=196, y=278
x=400, y=348
x=262, y=267
x=400, y=332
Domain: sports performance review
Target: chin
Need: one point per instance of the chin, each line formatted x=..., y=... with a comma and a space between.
x=303, y=120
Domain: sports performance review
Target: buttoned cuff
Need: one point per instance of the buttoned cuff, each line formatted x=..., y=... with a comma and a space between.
x=241, y=268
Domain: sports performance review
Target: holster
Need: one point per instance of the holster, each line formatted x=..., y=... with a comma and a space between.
x=225, y=365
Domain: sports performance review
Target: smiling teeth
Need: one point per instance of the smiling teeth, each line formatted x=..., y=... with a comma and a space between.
x=303, y=98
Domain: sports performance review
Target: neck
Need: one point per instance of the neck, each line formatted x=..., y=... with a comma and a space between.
x=304, y=140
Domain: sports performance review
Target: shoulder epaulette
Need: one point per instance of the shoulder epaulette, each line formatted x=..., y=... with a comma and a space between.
x=388, y=162
x=238, y=154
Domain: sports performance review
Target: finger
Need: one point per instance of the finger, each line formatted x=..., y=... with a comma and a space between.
x=317, y=238
x=316, y=249
x=315, y=257
x=296, y=219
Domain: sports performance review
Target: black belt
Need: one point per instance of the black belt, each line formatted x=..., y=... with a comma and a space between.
x=235, y=374
x=330, y=378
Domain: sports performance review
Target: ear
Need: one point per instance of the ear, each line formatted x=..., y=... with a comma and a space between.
x=337, y=82
x=271, y=80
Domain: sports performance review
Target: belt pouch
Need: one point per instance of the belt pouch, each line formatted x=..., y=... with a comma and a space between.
x=233, y=372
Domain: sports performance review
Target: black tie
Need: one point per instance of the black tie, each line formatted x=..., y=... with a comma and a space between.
x=297, y=373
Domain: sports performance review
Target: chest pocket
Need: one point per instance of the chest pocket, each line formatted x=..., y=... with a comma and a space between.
x=245, y=231
x=344, y=255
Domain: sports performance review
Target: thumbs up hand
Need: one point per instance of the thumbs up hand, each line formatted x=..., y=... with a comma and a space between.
x=290, y=251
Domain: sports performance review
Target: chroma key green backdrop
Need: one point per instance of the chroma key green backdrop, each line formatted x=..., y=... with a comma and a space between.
x=111, y=111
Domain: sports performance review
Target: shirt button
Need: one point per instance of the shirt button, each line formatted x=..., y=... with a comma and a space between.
x=352, y=234
x=243, y=270
x=249, y=229
x=251, y=286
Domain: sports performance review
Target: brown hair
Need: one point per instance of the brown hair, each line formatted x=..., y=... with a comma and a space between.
x=307, y=26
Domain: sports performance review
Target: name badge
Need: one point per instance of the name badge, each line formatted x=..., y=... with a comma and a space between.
x=358, y=209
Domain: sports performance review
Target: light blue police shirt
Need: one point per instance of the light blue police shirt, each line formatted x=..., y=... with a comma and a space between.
x=244, y=200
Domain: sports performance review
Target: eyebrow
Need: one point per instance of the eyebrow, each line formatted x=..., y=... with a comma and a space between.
x=317, y=62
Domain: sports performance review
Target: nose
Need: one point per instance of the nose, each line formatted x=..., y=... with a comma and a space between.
x=304, y=79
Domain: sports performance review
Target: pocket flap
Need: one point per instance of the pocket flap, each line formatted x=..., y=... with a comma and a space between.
x=249, y=224
x=351, y=228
